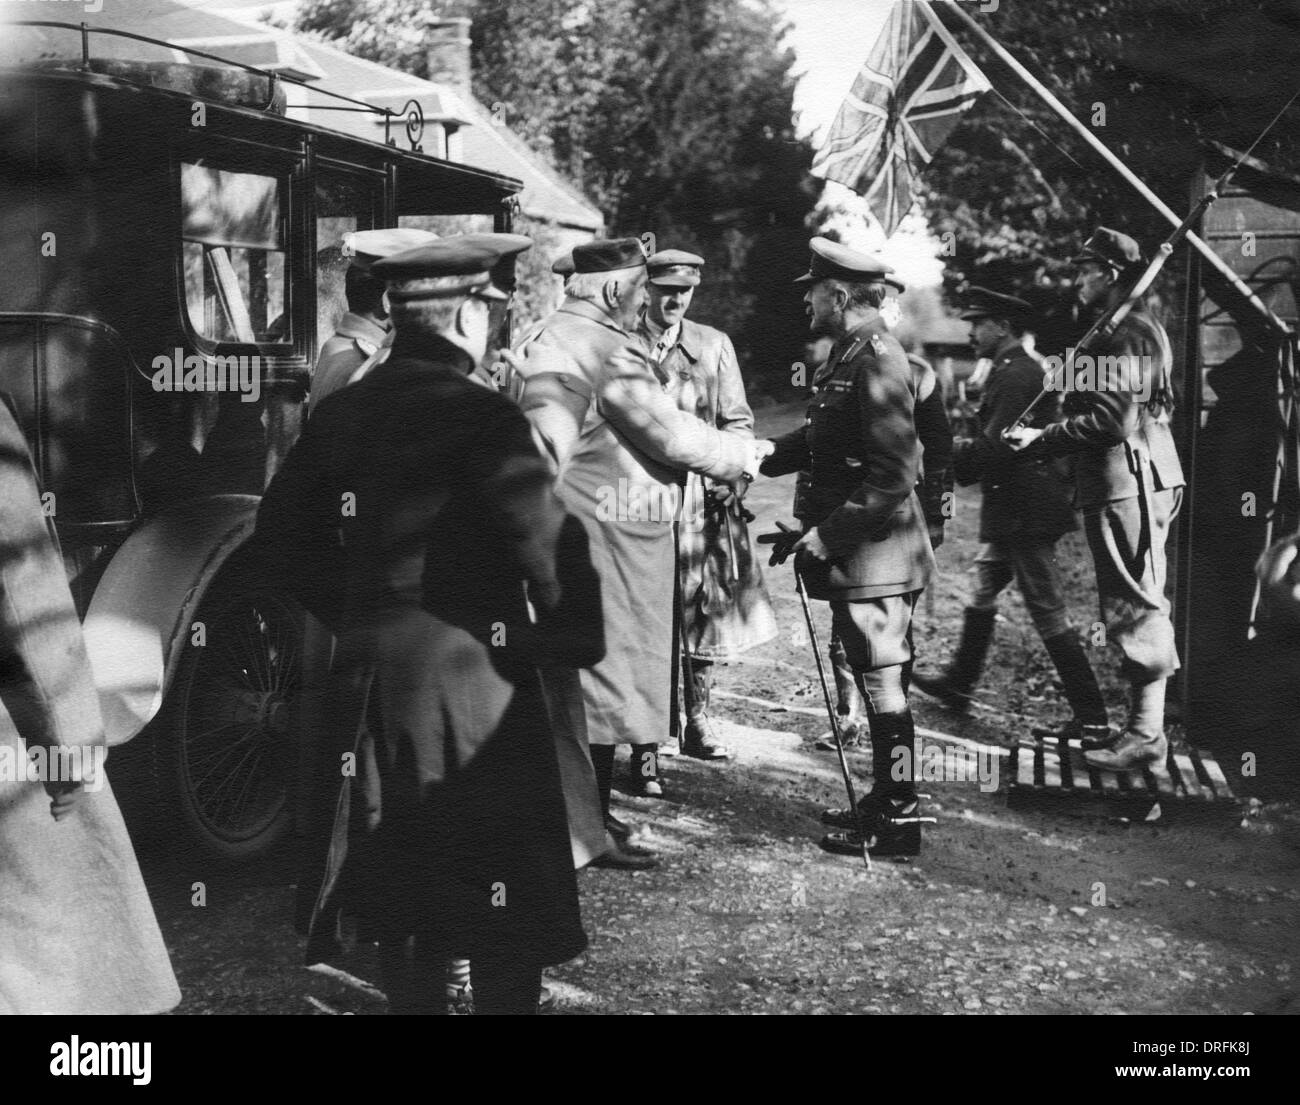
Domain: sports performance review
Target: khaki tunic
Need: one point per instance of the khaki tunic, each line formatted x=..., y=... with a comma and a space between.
x=860, y=447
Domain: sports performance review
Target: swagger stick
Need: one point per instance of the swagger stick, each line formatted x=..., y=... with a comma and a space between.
x=830, y=710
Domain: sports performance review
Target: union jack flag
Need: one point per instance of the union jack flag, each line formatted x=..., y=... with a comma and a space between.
x=910, y=94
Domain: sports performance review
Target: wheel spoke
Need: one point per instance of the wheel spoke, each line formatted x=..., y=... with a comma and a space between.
x=222, y=756
x=253, y=776
x=234, y=777
x=225, y=781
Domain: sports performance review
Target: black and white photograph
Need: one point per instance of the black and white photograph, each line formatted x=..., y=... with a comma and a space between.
x=650, y=507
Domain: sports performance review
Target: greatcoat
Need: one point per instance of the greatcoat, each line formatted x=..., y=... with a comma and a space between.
x=77, y=931
x=621, y=446
x=409, y=518
x=724, y=616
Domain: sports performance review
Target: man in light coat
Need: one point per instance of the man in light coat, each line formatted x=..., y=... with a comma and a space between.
x=77, y=931
x=621, y=446
x=724, y=601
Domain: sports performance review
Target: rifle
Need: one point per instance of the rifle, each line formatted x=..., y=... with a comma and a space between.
x=1109, y=321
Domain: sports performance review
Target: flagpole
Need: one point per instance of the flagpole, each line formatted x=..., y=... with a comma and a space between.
x=1213, y=258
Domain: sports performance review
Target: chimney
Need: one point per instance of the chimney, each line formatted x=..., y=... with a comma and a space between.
x=448, y=53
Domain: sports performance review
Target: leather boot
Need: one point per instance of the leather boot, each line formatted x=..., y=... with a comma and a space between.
x=889, y=814
x=1090, y=725
x=848, y=702
x=701, y=741
x=1132, y=752
x=953, y=688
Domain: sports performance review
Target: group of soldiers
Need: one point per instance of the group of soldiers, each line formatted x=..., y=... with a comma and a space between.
x=504, y=615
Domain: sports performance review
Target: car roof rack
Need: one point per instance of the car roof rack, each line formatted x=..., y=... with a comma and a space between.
x=411, y=113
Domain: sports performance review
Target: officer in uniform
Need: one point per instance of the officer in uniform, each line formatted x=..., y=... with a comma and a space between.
x=723, y=600
x=1129, y=486
x=934, y=490
x=416, y=518
x=364, y=328
x=865, y=547
x=1025, y=510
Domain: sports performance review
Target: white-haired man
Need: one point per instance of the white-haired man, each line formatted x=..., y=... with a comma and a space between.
x=621, y=447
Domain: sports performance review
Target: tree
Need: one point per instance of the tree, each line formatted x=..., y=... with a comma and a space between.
x=674, y=116
x=1155, y=78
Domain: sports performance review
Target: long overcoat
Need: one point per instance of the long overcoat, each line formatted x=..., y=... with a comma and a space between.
x=724, y=615
x=77, y=931
x=409, y=517
x=622, y=446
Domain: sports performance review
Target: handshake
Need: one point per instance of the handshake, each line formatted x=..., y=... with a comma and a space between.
x=758, y=452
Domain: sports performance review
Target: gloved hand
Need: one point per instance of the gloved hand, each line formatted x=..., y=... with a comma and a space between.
x=782, y=543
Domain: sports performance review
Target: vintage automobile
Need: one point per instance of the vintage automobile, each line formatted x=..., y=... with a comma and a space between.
x=170, y=263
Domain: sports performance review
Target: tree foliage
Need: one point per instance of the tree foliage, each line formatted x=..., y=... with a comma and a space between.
x=673, y=116
x=1156, y=79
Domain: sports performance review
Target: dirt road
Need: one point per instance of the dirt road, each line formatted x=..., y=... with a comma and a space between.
x=1006, y=911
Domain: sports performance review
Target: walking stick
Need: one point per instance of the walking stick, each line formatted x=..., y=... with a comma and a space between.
x=830, y=707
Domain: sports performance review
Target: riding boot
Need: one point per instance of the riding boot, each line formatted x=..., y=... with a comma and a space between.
x=888, y=814
x=1090, y=723
x=953, y=688
x=701, y=741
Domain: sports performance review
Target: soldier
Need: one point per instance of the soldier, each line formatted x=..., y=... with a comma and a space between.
x=723, y=599
x=364, y=328
x=934, y=491
x=1129, y=486
x=416, y=518
x=1025, y=510
x=865, y=547
x=621, y=446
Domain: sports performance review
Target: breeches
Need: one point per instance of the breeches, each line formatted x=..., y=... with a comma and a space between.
x=1032, y=564
x=875, y=633
x=1128, y=552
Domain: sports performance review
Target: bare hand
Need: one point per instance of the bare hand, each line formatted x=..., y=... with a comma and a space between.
x=1020, y=438
x=759, y=451
x=936, y=533
x=63, y=798
x=811, y=543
